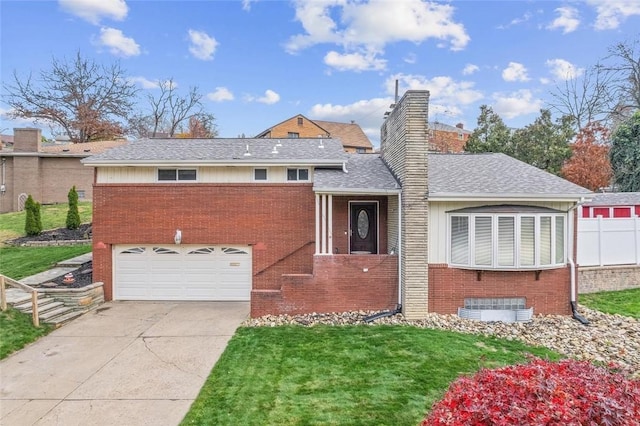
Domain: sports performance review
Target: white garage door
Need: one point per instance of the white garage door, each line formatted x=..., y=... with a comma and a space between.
x=182, y=272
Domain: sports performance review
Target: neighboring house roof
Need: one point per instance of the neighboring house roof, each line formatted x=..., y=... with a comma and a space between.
x=615, y=199
x=365, y=173
x=82, y=148
x=223, y=151
x=495, y=176
x=435, y=125
x=351, y=134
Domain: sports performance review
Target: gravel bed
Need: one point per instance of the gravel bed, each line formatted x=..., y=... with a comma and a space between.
x=608, y=338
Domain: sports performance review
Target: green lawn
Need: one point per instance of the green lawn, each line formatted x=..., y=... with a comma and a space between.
x=20, y=262
x=623, y=302
x=17, y=330
x=52, y=215
x=355, y=375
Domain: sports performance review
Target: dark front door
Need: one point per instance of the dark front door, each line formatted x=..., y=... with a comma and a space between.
x=364, y=228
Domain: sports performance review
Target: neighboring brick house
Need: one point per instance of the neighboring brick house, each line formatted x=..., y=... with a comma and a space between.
x=46, y=172
x=446, y=138
x=297, y=226
x=350, y=134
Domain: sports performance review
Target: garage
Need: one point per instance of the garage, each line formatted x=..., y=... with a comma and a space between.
x=182, y=272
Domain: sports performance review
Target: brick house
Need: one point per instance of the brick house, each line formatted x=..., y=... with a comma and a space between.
x=297, y=226
x=350, y=134
x=45, y=171
x=446, y=138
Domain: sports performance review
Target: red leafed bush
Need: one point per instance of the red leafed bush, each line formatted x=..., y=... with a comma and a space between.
x=540, y=393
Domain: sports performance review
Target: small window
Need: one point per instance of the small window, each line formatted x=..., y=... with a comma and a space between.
x=361, y=150
x=259, y=174
x=297, y=174
x=166, y=175
x=299, y=121
x=81, y=193
x=293, y=135
x=460, y=136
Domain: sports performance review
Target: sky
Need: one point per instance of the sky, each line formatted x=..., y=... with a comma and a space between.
x=260, y=62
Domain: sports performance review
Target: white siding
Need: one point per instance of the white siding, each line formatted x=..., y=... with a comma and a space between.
x=438, y=222
x=222, y=174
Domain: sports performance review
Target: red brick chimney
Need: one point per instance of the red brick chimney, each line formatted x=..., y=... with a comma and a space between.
x=26, y=140
x=460, y=126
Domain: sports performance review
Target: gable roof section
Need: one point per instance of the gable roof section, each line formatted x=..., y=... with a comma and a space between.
x=441, y=127
x=351, y=134
x=264, y=133
x=194, y=152
x=615, y=199
x=497, y=177
x=365, y=174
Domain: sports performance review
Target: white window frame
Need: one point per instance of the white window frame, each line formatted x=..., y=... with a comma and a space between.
x=177, y=174
x=266, y=179
x=471, y=241
x=297, y=179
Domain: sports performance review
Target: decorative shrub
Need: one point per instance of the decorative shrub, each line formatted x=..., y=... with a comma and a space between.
x=73, y=216
x=541, y=393
x=33, y=223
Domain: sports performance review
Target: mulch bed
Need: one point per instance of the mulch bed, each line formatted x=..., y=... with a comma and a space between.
x=59, y=234
x=83, y=276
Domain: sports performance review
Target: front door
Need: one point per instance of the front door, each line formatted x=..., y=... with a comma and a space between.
x=364, y=228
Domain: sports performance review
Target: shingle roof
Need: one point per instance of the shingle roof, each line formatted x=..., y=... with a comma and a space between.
x=491, y=175
x=436, y=125
x=615, y=199
x=366, y=173
x=88, y=148
x=350, y=134
x=202, y=151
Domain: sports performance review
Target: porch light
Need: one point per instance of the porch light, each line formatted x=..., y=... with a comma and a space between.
x=178, y=237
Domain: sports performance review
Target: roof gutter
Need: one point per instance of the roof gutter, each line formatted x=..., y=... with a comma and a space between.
x=356, y=191
x=511, y=197
x=573, y=302
x=226, y=162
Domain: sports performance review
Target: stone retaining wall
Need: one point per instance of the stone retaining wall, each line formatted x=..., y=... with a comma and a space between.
x=84, y=298
x=608, y=278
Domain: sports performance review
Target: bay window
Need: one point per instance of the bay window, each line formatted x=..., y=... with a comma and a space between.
x=480, y=238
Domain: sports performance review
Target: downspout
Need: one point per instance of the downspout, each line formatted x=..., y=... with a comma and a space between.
x=398, y=309
x=573, y=302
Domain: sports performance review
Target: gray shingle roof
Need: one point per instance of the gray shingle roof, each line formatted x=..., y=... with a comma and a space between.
x=366, y=173
x=491, y=174
x=615, y=199
x=203, y=151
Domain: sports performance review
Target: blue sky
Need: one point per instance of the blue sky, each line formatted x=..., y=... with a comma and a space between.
x=260, y=62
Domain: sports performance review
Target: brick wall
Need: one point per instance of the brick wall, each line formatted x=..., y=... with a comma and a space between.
x=307, y=129
x=279, y=216
x=448, y=288
x=339, y=283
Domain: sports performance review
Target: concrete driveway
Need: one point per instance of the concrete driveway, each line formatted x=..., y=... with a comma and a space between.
x=127, y=363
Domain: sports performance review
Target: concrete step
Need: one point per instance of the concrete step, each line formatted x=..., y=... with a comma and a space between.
x=43, y=309
x=62, y=319
x=52, y=314
x=26, y=305
x=16, y=296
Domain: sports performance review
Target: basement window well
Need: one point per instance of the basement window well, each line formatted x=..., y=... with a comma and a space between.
x=509, y=309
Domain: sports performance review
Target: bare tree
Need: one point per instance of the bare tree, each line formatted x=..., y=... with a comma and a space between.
x=169, y=109
x=85, y=99
x=625, y=77
x=586, y=98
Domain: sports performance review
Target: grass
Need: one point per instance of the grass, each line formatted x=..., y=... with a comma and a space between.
x=379, y=375
x=623, y=302
x=20, y=262
x=52, y=215
x=17, y=331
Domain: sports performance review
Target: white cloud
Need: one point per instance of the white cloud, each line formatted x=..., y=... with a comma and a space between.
x=270, y=97
x=221, y=94
x=117, y=43
x=367, y=113
x=93, y=11
x=515, y=72
x=442, y=89
x=515, y=104
x=612, y=12
x=411, y=58
x=144, y=82
x=516, y=21
x=374, y=24
x=567, y=21
x=246, y=5
x=470, y=69
x=203, y=46
x=563, y=70
x=354, y=61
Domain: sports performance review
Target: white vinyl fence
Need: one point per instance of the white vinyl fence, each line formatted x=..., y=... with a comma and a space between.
x=610, y=241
